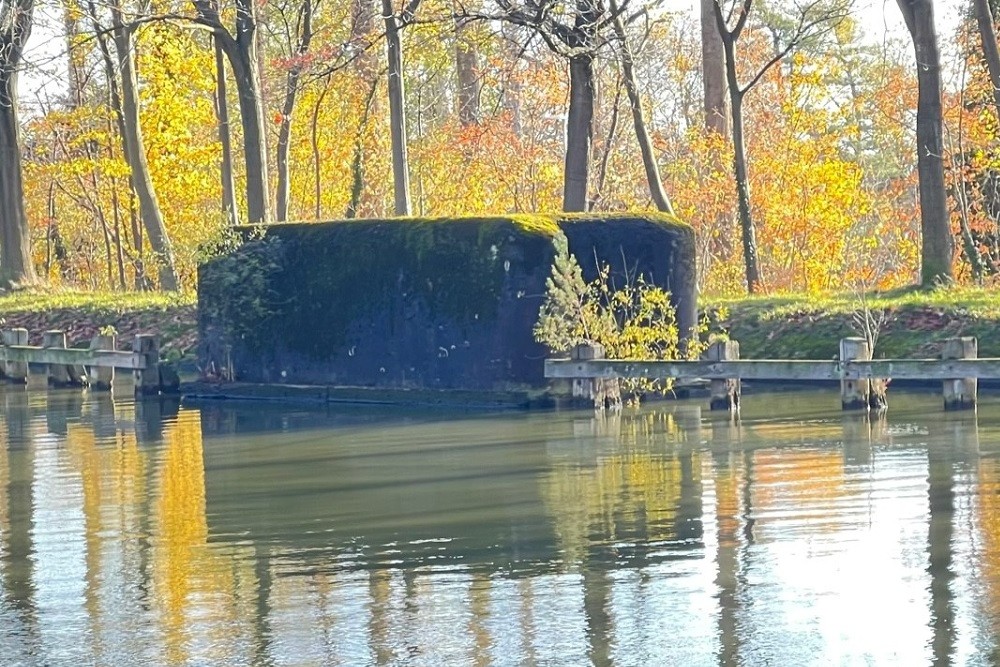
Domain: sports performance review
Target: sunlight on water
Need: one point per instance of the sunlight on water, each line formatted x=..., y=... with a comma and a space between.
x=136, y=534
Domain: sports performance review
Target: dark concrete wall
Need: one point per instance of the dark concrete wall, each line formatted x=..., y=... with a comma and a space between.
x=446, y=303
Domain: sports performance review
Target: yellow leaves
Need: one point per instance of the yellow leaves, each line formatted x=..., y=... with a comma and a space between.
x=630, y=317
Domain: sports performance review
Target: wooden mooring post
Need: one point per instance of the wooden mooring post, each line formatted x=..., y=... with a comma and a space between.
x=854, y=392
x=147, y=380
x=15, y=371
x=863, y=380
x=94, y=366
x=599, y=393
x=155, y=377
x=725, y=393
x=101, y=378
x=61, y=375
x=960, y=394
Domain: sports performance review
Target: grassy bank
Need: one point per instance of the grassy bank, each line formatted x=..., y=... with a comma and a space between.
x=82, y=314
x=787, y=326
x=809, y=327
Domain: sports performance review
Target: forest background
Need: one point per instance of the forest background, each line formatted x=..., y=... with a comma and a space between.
x=146, y=129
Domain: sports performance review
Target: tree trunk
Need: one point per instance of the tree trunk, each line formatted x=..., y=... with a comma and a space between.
x=222, y=113
x=15, y=241
x=579, y=132
x=244, y=63
x=74, y=57
x=15, y=248
x=656, y=191
x=602, y=169
x=135, y=155
x=713, y=68
x=748, y=234
x=988, y=35
x=397, y=113
x=284, y=141
x=314, y=142
x=937, y=253
x=467, y=69
x=240, y=48
x=291, y=91
x=751, y=262
x=357, y=162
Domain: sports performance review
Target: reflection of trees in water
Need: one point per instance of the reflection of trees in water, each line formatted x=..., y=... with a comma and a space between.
x=615, y=489
x=17, y=502
x=805, y=482
x=639, y=492
x=112, y=480
x=189, y=578
x=988, y=524
x=730, y=479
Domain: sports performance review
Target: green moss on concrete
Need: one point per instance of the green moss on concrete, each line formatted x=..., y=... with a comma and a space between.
x=410, y=302
x=336, y=273
x=664, y=220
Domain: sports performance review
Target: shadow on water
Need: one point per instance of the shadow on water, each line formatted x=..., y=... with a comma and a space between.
x=663, y=536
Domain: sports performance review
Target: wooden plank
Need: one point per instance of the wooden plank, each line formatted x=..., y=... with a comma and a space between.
x=71, y=356
x=775, y=369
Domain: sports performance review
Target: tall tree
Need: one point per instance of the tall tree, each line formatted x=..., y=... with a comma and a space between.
x=937, y=252
x=810, y=19
x=303, y=34
x=15, y=243
x=578, y=40
x=713, y=71
x=122, y=80
x=656, y=191
x=362, y=22
x=240, y=47
x=988, y=37
x=394, y=24
x=222, y=113
x=467, y=72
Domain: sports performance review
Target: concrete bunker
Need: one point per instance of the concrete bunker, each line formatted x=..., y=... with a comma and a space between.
x=446, y=303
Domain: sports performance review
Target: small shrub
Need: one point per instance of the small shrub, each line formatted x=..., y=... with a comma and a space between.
x=632, y=320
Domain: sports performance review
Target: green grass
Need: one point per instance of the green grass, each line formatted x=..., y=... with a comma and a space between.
x=976, y=301
x=786, y=326
x=40, y=300
x=790, y=326
x=82, y=314
x=809, y=327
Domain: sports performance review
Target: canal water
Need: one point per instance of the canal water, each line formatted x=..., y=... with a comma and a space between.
x=153, y=534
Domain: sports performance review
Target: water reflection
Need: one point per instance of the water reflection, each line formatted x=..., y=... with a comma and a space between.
x=151, y=534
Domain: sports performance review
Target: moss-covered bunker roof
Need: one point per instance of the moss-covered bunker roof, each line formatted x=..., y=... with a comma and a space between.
x=544, y=224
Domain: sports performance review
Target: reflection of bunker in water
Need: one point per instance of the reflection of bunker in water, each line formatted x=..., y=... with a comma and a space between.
x=490, y=493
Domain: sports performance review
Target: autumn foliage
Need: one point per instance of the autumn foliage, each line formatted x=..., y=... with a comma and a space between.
x=830, y=147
